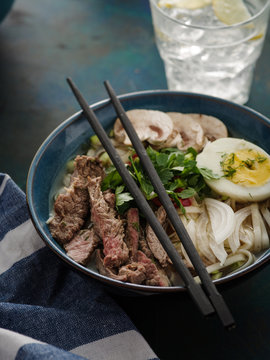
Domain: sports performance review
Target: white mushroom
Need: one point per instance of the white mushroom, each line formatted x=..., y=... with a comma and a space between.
x=174, y=140
x=213, y=128
x=190, y=131
x=151, y=125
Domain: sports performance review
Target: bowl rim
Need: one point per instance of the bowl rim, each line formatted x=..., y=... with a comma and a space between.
x=52, y=243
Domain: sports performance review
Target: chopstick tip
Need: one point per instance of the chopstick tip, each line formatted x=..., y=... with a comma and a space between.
x=107, y=85
x=222, y=311
x=69, y=81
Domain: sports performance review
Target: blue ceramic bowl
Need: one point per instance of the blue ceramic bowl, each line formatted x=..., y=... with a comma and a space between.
x=66, y=140
x=5, y=6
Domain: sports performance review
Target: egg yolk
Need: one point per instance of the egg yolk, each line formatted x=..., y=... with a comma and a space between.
x=246, y=167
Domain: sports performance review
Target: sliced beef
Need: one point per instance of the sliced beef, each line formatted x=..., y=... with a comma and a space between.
x=154, y=276
x=135, y=272
x=133, y=231
x=152, y=240
x=109, y=198
x=144, y=271
x=71, y=210
x=88, y=166
x=141, y=269
x=144, y=246
x=104, y=270
x=82, y=246
x=108, y=226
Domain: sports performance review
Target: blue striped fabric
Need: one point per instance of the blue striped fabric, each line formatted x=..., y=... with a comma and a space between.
x=47, y=310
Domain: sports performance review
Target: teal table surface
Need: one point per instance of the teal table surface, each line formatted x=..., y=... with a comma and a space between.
x=42, y=43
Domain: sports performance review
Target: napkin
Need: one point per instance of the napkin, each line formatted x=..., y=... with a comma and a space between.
x=47, y=310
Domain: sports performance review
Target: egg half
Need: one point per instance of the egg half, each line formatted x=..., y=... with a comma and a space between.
x=241, y=169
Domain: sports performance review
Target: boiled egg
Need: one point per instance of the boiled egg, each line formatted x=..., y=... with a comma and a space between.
x=236, y=168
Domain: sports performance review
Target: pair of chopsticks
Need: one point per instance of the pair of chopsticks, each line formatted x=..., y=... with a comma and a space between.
x=208, y=300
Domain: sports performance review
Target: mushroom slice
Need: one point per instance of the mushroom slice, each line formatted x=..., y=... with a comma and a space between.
x=213, y=128
x=151, y=125
x=173, y=140
x=190, y=130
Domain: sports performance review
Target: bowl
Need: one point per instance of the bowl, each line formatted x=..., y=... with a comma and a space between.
x=5, y=8
x=67, y=139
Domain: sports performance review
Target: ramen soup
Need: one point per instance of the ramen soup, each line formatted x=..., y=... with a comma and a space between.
x=219, y=185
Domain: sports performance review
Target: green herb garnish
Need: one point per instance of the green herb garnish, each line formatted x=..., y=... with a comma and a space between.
x=122, y=199
x=208, y=174
x=229, y=171
x=178, y=173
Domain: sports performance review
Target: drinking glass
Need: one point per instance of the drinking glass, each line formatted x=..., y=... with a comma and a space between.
x=203, y=54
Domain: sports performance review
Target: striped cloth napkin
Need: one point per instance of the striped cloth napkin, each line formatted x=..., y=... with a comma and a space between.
x=48, y=311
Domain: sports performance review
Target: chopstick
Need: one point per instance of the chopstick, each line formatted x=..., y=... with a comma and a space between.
x=215, y=297
x=195, y=290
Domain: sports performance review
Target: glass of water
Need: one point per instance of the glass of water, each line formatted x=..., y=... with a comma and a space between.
x=206, y=49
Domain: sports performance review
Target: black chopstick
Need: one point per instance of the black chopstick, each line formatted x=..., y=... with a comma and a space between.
x=215, y=297
x=195, y=289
